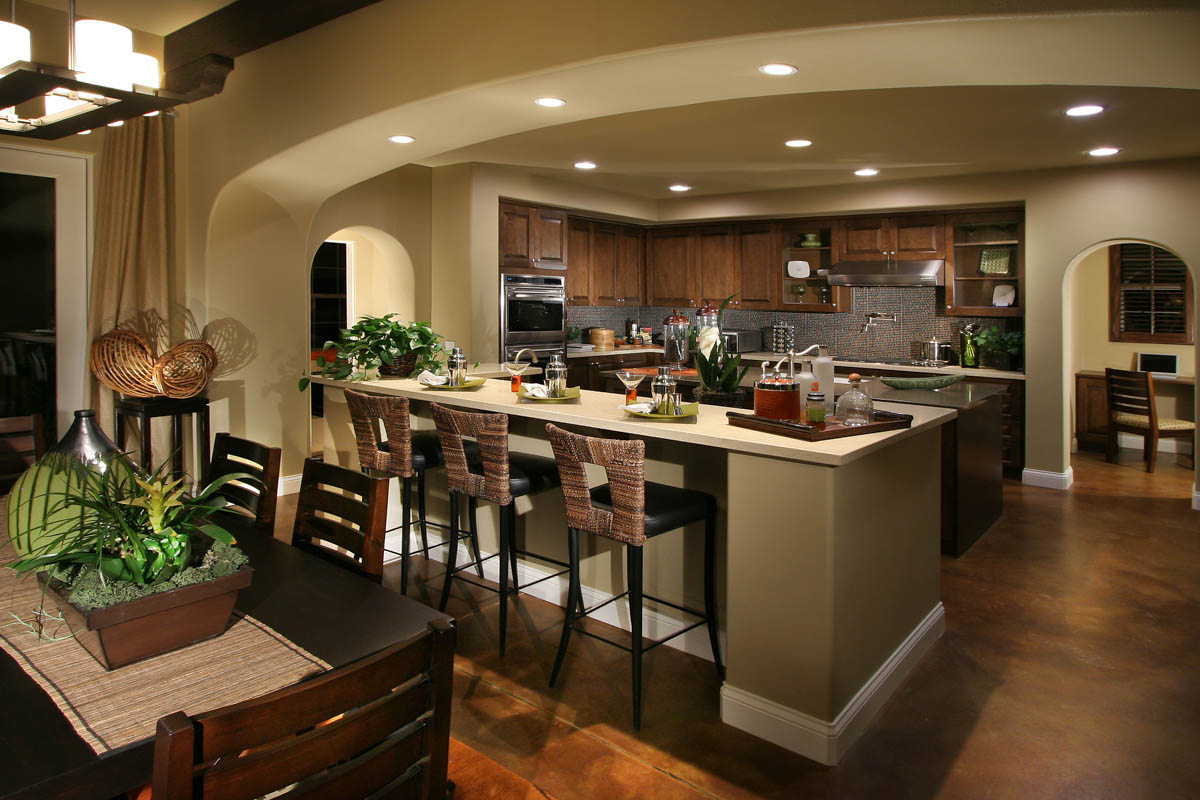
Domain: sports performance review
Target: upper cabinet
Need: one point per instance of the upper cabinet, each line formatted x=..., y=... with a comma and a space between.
x=606, y=263
x=579, y=277
x=532, y=237
x=758, y=254
x=985, y=264
x=901, y=238
x=810, y=247
x=686, y=266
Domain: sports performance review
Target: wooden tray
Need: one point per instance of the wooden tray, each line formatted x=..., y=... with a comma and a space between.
x=831, y=429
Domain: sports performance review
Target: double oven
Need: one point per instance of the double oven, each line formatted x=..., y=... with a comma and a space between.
x=533, y=314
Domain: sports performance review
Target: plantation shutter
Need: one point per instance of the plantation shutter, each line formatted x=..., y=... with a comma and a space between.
x=1151, y=295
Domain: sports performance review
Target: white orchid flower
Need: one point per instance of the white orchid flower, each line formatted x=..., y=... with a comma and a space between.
x=706, y=342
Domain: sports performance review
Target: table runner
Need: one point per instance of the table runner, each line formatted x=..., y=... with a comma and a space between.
x=112, y=709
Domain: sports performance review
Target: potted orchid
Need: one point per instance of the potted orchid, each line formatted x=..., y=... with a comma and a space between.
x=718, y=370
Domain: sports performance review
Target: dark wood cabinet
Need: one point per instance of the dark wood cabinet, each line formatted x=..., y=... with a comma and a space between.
x=604, y=265
x=671, y=267
x=817, y=242
x=532, y=237
x=587, y=372
x=579, y=271
x=900, y=238
x=629, y=269
x=613, y=264
x=717, y=265
x=1012, y=419
x=759, y=257
x=1091, y=412
x=986, y=250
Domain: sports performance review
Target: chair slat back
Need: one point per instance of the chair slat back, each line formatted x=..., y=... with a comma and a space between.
x=20, y=445
x=1130, y=392
x=376, y=728
x=624, y=463
x=231, y=454
x=369, y=412
x=341, y=508
x=491, y=432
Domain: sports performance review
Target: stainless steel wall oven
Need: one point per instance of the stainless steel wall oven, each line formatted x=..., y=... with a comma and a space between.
x=533, y=313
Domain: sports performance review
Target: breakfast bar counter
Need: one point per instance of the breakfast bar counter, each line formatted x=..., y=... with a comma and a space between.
x=828, y=552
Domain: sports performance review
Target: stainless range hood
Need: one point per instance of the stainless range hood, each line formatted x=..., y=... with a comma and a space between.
x=888, y=273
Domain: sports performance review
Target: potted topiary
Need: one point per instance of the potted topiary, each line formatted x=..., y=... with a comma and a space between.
x=136, y=564
x=380, y=343
x=1003, y=347
x=720, y=378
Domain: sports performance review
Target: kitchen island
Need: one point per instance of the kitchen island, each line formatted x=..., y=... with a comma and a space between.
x=828, y=552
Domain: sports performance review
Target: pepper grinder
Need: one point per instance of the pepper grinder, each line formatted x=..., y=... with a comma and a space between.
x=456, y=368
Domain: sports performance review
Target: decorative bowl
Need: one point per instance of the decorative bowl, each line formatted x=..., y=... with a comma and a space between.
x=930, y=382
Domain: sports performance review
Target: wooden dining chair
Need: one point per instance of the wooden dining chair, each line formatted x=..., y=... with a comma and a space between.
x=340, y=517
x=377, y=728
x=1131, y=409
x=21, y=444
x=231, y=454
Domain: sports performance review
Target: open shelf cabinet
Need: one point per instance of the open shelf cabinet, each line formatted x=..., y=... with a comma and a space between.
x=812, y=294
x=986, y=254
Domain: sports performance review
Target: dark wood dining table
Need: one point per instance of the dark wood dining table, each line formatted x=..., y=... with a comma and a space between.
x=330, y=612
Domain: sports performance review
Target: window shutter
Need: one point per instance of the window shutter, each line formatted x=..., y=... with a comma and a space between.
x=1152, y=302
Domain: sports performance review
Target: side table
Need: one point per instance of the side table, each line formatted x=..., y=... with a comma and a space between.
x=146, y=408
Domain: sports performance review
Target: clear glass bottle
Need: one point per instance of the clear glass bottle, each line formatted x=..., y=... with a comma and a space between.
x=675, y=340
x=556, y=377
x=854, y=407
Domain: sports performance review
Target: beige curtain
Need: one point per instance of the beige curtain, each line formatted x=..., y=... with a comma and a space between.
x=130, y=264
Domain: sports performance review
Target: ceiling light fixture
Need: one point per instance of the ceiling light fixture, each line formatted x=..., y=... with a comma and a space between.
x=550, y=102
x=585, y=165
x=798, y=143
x=679, y=187
x=401, y=139
x=105, y=81
x=1101, y=152
x=778, y=69
x=866, y=172
x=1084, y=111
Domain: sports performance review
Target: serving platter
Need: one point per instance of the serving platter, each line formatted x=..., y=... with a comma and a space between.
x=690, y=411
x=472, y=383
x=572, y=394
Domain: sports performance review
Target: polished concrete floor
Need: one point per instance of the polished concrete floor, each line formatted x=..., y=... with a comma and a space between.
x=1070, y=668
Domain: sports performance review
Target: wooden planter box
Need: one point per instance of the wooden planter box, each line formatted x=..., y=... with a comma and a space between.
x=129, y=632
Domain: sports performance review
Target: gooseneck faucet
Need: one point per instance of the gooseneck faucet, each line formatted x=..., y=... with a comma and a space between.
x=517, y=357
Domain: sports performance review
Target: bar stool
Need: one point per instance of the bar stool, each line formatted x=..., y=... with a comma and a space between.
x=628, y=509
x=402, y=454
x=498, y=476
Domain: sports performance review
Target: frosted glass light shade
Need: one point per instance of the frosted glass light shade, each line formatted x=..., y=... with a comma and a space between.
x=144, y=70
x=14, y=44
x=103, y=53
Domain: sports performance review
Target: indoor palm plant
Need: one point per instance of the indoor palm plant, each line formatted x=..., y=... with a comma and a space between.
x=720, y=378
x=384, y=344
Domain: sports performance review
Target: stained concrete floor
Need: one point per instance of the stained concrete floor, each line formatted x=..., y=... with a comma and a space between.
x=1070, y=668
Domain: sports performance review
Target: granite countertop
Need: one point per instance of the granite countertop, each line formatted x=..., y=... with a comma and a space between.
x=982, y=372
x=962, y=396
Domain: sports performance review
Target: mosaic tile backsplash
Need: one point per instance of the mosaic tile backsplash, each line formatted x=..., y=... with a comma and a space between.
x=918, y=313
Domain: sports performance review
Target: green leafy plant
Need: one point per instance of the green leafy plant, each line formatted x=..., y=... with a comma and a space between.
x=130, y=527
x=373, y=342
x=717, y=369
x=997, y=341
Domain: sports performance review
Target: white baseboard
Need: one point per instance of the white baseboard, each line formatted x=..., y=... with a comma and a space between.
x=1195, y=498
x=1048, y=480
x=1130, y=442
x=289, y=484
x=655, y=624
x=827, y=742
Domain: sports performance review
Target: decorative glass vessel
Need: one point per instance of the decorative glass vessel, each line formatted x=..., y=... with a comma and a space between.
x=675, y=340
x=854, y=407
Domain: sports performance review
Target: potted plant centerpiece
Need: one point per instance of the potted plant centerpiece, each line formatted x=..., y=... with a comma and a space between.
x=136, y=564
x=380, y=343
x=1004, y=347
x=720, y=378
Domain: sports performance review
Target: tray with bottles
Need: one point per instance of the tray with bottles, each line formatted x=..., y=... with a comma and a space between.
x=831, y=428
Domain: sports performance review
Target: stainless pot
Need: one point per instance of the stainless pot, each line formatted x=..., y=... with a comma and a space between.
x=933, y=352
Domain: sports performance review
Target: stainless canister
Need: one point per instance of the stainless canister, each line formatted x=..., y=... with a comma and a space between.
x=456, y=368
x=782, y=337
x=662, y=392
x=556, y=376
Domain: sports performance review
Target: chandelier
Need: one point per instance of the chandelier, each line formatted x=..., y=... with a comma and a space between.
x=105, y=82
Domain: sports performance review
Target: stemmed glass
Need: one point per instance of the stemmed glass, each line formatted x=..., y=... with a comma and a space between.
x=515, y=368
x=631, y=381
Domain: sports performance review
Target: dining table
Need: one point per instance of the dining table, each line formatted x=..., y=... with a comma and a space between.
x=330, y=612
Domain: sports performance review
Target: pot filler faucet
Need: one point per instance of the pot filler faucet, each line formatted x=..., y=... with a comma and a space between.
x=876, y=317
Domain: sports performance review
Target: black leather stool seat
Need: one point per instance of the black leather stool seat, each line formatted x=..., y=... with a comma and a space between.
x=531, y=474
x=427, y=451
x=667, y=507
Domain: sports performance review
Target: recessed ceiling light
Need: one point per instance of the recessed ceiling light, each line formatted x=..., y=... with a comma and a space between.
x=778, y=69
x=550, y=102
x=866, y=172
x=798, y=142
x=84, y=133
x=1084, y=111
x=585, y=165
x=679, y=187
x=151, y=114
x=401, y=139
x=1104, y=151
x=116, y=124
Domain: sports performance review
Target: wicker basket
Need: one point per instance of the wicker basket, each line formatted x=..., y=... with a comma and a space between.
x=403, y=367
x=123, y=361
x=734, y=399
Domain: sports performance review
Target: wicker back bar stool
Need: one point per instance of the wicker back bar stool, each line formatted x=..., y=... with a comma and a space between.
x=387, y=446
x=497, y=476
x=629, y=510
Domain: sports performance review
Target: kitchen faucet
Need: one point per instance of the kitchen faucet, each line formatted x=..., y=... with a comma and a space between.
x=517, y=357
x=876, y=317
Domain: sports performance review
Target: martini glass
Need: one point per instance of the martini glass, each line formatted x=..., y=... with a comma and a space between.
x=514, y=369
x=631, y=381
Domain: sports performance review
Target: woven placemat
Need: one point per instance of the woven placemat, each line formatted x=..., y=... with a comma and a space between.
x=112, y=709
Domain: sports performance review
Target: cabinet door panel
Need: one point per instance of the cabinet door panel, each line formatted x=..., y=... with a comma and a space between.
x=516, y=235
x=716, y=263
x=865, y=239
x=604, y=265
x=671, y=270
x=628, y=272
x=761, y=261
x=579, y=245
x=919, y=238
x=550, y=238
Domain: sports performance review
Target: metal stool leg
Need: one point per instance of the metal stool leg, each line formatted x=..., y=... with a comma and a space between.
x=635, y=629
x=573, y=593
x=451, y=551
x=421, y=512
x=405, y=513
x=472, y=508
x=710, y=591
